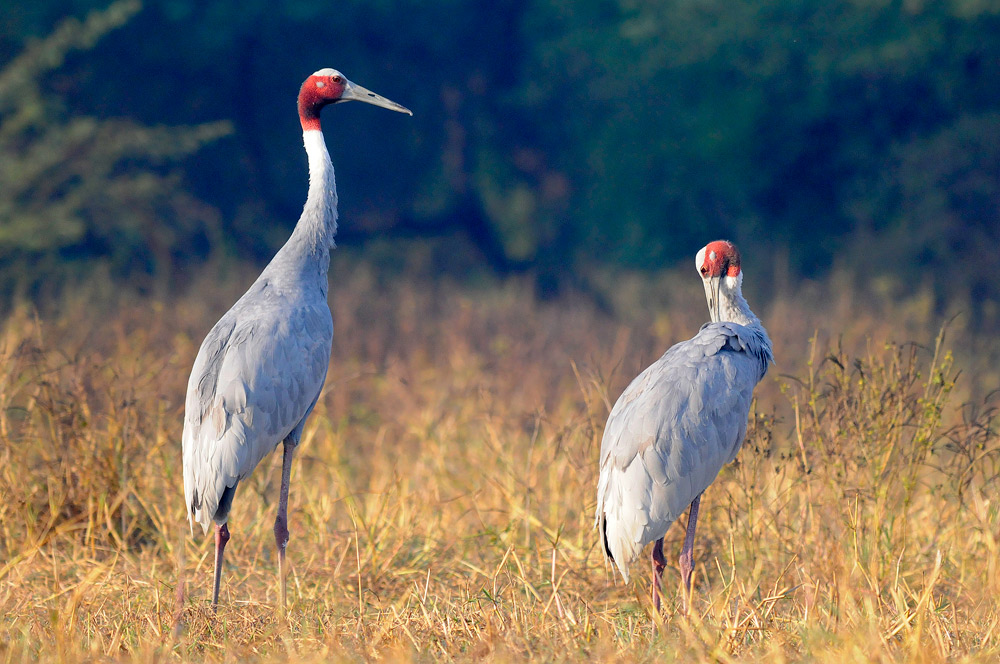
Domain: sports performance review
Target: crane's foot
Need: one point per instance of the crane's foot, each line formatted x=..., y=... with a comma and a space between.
x=687, y=569
x=282, y=587
x=281, y=541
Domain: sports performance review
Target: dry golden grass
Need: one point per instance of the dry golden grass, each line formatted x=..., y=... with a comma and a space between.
x=441, y=503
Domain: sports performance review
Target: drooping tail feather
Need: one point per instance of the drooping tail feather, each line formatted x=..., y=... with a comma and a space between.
x=604, y=536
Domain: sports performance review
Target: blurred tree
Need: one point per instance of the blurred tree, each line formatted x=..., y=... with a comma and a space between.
x=934, y=215
x=776, y=122
x=75, y=190
x=553, y=135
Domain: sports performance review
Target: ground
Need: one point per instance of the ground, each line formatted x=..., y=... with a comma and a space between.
x=442, y=498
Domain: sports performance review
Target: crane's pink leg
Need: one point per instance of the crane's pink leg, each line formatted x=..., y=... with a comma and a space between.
x=659, y=562
x=687, y=554
x=281, y=522
x=221, y=539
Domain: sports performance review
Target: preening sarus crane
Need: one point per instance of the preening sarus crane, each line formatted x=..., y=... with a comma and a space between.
x=679, y=422
x=259, y=371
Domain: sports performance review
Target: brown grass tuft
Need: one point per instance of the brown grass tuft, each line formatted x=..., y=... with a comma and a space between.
x=441, y=504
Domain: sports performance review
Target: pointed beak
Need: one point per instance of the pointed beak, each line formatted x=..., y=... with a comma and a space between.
x=355, y=92
x=712, y=287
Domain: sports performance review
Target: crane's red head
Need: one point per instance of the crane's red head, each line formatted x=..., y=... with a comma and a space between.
x=324, y=87
x=329, y=86
x=718, y=259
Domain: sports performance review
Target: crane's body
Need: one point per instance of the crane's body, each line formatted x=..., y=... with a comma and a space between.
x=671, y=432
x=260, y=370
x=680, y=421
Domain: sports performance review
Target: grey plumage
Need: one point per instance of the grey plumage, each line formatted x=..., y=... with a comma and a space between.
x=679, y=422
x=260, y=370
x=671, y=432
x=256, y=379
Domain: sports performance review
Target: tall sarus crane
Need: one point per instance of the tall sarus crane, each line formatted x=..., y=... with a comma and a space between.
x=679, y=422
x=259, y=371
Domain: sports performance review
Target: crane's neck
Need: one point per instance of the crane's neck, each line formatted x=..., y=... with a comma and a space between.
x=304, y=261
x=726, y=302
x=318, y=224
x=306, y=254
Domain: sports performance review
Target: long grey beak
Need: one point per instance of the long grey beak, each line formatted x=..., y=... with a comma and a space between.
x=712, y=287
x=717, y=297
x=355, y=92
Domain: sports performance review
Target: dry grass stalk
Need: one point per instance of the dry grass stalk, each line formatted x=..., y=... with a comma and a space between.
x=443, y=499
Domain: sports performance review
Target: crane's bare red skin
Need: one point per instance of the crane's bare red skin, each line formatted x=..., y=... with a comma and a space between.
x=726, y=261
x=317, y=92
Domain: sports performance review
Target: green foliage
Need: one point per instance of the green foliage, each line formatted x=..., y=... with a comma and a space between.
x=878, y=419
x=559, y=136
x=74, y=186
x=779, y=123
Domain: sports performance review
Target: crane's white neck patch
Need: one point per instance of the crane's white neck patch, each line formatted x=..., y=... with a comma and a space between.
x=321, y=204
x=320, y=167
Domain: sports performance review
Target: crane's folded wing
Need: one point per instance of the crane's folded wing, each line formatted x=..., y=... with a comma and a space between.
x=675, y=426
x=256, y=378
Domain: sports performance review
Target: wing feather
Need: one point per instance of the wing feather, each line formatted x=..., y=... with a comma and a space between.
x=671, y=432
x=256, y=378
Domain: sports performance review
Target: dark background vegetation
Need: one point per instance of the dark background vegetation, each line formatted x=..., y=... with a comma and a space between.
x=577, y=150
x=554, y=137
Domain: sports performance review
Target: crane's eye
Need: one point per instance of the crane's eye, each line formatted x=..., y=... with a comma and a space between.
x=704, y=270
x=338, y=79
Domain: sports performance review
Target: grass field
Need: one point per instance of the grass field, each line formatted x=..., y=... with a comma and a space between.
x=442, y=499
